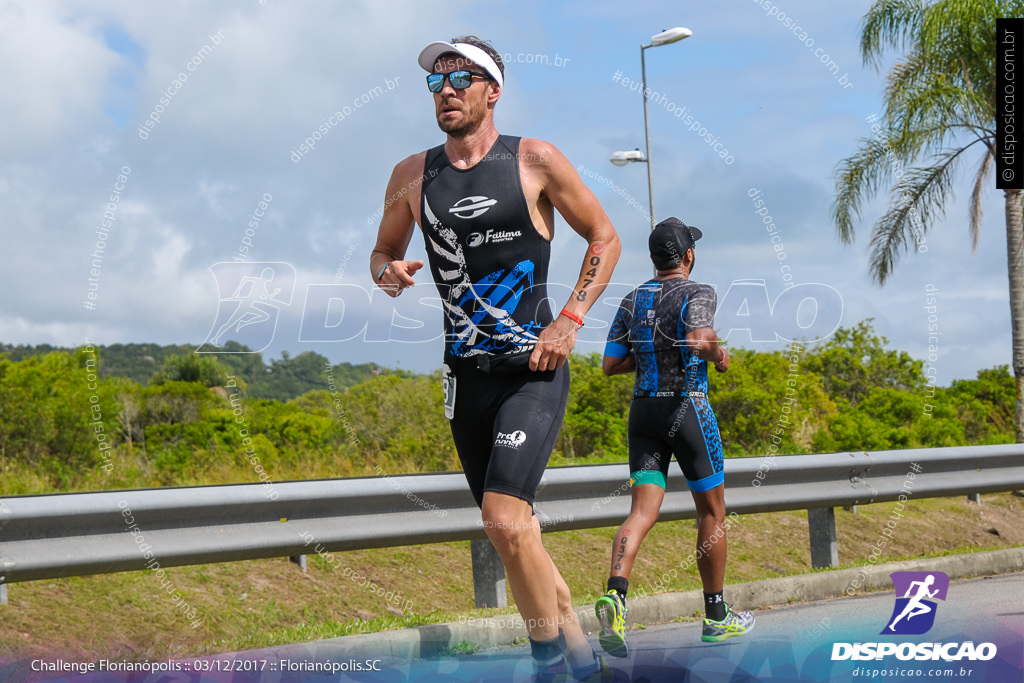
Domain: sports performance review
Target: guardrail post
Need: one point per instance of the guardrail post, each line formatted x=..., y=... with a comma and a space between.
x=824, y=549
x=3, y=591
x=974, y=498
x=299, y=560
x=488, y=574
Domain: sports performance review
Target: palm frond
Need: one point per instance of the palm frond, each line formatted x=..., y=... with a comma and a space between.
x=888, y=24
x=876, y=162
x=960, y=35
x=979, y=188
x=919, y=100
x=939, y=102
x=918, y=198
x=858, y=178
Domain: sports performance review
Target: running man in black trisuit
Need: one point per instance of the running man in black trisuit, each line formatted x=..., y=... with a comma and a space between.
x=485, y=204
x=663, y=332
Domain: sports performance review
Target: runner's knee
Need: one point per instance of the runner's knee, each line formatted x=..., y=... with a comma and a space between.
x=714, y=514
x=507, y=532
x=710, y=505
x=641, y=520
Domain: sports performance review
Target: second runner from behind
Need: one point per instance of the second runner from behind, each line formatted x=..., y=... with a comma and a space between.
x=663, y=332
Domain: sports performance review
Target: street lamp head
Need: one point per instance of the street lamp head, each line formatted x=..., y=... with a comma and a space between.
x=670, y=36
x=623, y=158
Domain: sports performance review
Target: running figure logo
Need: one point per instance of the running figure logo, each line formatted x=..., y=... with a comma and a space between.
x=914, y=613
x=511, y=440
x=251, y=296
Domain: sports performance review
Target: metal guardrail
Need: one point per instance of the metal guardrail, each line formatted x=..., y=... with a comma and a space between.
x=61, y=535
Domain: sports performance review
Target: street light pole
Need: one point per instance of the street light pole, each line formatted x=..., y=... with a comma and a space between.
x=666, y=37
x=647, y=133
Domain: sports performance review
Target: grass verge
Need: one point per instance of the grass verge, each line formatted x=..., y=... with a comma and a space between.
x=261, y=603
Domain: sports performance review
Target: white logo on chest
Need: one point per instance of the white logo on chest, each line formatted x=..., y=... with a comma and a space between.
x=471, y=207
x=475, y=239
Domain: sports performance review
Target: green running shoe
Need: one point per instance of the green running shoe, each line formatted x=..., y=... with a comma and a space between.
x=734, y=624
x=611, y=612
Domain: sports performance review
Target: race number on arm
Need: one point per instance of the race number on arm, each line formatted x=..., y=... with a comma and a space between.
x=547, y=171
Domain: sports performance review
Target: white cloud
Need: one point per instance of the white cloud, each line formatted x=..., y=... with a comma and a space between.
x=226, y=137
x=55, y=78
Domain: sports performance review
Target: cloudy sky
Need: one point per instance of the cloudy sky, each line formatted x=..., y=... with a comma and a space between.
x=81, y=79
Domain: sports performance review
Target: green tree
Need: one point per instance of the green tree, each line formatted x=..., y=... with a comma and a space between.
x=399, y=422
x=769, y=398
x=985, y=405
x=57, y=416
x=138, y=361
x=939, y=110
x=241, y=362
x=889, y=419
x=192, y=367
x=597, y=414
x=130, y=416
x=290, y=377
x=854, y=361
x=177, y=427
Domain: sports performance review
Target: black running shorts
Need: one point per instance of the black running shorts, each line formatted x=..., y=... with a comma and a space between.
x=505, y=426
x=684, y=425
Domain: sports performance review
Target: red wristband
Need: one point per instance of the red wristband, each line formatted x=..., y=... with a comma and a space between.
x=573, y=317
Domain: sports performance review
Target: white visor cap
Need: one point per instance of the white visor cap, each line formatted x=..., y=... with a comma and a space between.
x=474, y=54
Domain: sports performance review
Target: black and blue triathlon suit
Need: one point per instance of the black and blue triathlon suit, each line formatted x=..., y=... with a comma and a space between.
x=670, y=412
x=490, y=266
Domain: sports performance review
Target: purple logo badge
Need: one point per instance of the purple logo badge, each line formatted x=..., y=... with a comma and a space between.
x=914, y=612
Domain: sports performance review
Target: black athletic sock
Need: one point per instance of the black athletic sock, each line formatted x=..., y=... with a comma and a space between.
x=714, y=606
x=619, y=584
x=548, y=652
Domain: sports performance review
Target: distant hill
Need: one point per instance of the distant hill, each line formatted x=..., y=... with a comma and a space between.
x=283, y=379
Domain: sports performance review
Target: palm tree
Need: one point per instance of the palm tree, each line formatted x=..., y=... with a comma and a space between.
x=939, y=114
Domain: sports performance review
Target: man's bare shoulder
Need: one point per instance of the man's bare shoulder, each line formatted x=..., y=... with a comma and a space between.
x=410, y=167
x=535, y=151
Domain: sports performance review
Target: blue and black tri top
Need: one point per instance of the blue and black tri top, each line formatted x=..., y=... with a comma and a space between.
x=652, y=323
x=488, y=261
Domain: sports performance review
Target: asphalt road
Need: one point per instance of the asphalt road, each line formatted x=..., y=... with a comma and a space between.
x=796, y=642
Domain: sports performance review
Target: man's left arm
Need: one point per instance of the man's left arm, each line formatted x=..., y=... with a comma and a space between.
x=700, y=336
x=562, y=185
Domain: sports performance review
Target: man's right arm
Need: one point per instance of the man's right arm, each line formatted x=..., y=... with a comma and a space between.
x=619, y=357
x=396, y=228
x=612, y=365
